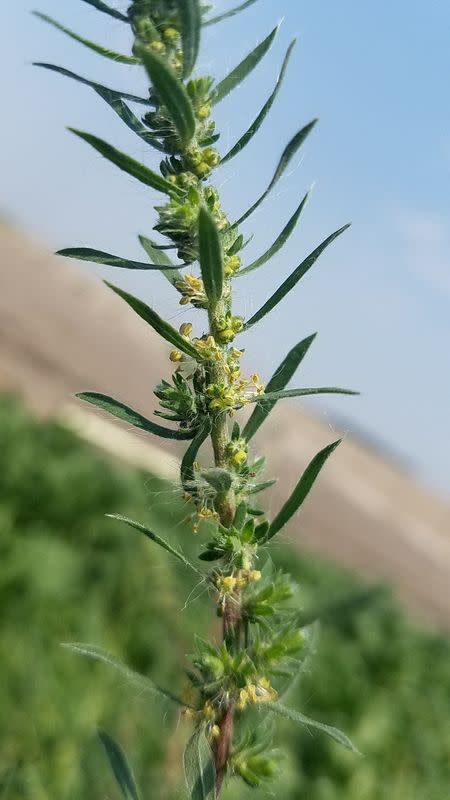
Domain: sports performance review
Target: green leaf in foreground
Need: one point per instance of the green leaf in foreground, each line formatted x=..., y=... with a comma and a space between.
x=279, y=241
x=294, y=278
x=100, y=6
x=187, y=464
x=159, y=257
x=126, y=414
x=296, y=716
x=171, y=93
x=243, y=69
x=103, y=51
x=113, y=92
x=158, y=324
x=199, y=768
x=191, y=19
x=99, y=257
x=157, y=539
x=278, y=381
x=302, y=489
x=230, y=13
x=127, y=164
x=288, y=153
x=119, y=765
x=256, y=124
x=268, y=398
x=140, y=682
x=210, y=256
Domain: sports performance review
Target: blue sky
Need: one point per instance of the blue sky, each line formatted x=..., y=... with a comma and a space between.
x=376, y=74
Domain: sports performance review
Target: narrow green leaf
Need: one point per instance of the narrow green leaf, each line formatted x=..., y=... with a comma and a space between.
x=100, y=6
x=119, y=765
x=340, y=608
x=128, y=164
x=157, y=539
x=230, y=13
x=256, y=124
x=103, y=51
x=191, y=19
x=156, y=322
x=210, y=256
x=281, y=377
x=132, y=417
x=239, y=73
x=296, y=716
x=294, y=278
x=68, y=74
x=265, y=398
x=259, y=487
x=127, y=116
x=199, y=768
x=99, y=257
x=140, y=682
x=159, y=257
x=288, y=153
x=302, y=489
x=171, y=93
x=187, y=463
x=279, y=241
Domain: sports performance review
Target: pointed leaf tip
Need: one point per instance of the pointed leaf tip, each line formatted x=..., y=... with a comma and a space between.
x=302, y=489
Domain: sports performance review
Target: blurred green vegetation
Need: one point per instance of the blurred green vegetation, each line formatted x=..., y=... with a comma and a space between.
x=68, y=573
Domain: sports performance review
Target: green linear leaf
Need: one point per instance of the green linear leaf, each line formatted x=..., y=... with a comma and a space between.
x=338, y=609
x=288, y=153
x=135, y=679
x=198, y=767
x=126, y=414
x=100, y=6
x=259, y=487
x=171, y=93
x=230, y=13
x=210, y=256
x=103, y=51
x=191, y=19
x=127, y=164
x=294, y=278
x=68, y=74
x=279, y=241
x=296, y=716
x=187, y=464
x=278, y=381
x=99, y=257
x=239, y=73
x=156, y=322
x=127, y=116
x=157, y=539
x=269, y=398
x=302, y=489
x=159, y=257
x=119, y=763
x=256, y=124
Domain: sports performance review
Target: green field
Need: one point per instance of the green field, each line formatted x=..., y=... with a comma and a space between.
x=68, y=573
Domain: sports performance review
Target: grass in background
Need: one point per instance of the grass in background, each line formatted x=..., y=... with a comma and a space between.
x=68, y=573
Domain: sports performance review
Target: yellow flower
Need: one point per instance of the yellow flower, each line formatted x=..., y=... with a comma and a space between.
x=255, y=575
x=175, y=356
x=215, y=731
x=186, y=328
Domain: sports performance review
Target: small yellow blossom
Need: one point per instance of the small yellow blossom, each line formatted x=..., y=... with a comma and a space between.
x=186, y=328
x=255, y=575
x=215, y=731
x=175, y=356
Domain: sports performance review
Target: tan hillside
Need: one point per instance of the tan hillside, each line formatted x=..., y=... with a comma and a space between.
x=62, y=331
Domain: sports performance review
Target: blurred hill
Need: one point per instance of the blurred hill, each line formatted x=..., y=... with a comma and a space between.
x=62, y=331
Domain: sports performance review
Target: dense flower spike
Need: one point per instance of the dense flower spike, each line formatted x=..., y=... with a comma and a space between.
x=263, y=642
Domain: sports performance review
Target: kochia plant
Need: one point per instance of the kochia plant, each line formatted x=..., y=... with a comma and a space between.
x=234, y=683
